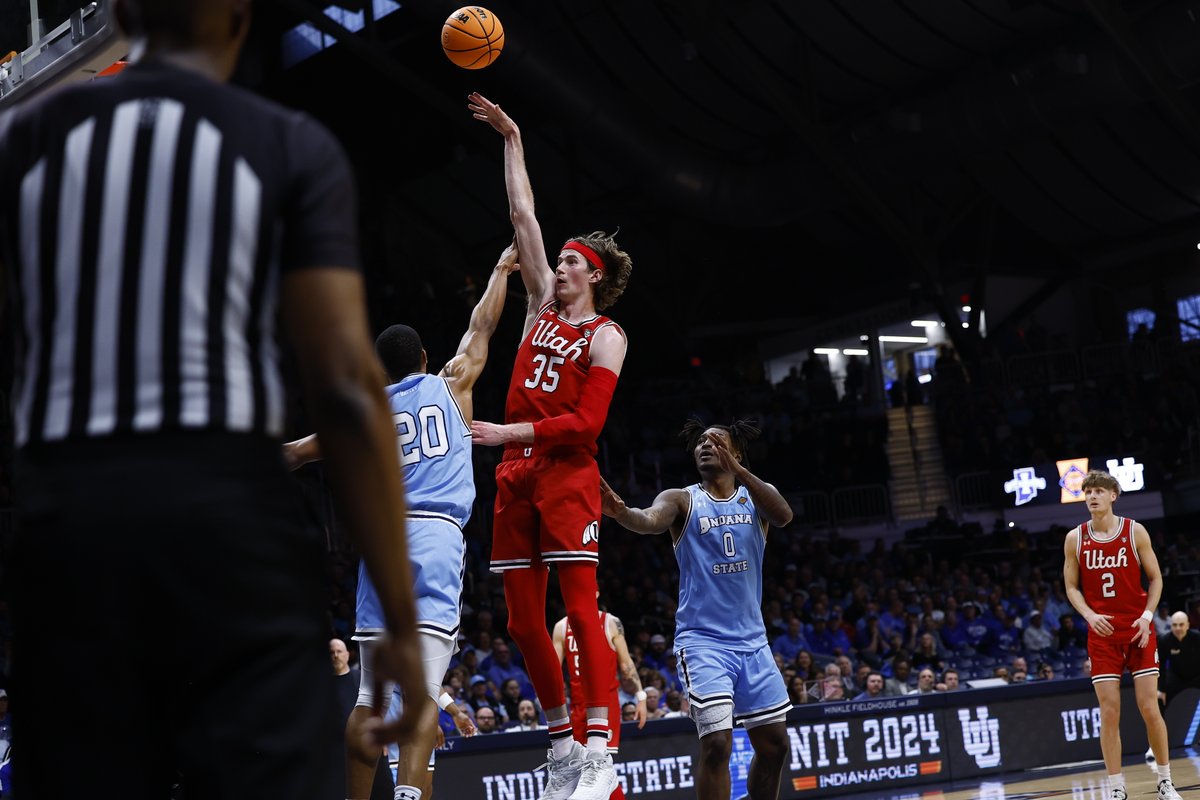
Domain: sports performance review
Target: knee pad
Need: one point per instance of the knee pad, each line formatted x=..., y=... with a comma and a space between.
x=366, y=676
x=711, y=718
x=436, y=653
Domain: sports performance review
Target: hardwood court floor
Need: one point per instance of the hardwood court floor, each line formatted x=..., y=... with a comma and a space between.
x=1081, y=782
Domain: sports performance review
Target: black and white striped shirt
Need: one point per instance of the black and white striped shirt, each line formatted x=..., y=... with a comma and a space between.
x=145, y=223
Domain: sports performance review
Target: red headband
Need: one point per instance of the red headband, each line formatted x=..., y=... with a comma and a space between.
x=591, y=255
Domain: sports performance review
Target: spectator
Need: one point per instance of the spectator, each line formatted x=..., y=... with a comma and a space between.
x=1045, y=672
x=792, y=643
x=1001, y=673
x=510, y=700
x=806, y=667
x=949, y=681
x=1179, y=655
x=479, y=695
x=820, y=638
x=485, y=720
x=925, y=679
x=874, y=687
x=1037, y=637
x=654, y=707
x=629, y=712
x=657, y=656
x=502, y=668
x=1018, y=676
x=674, y=705
x=897, y=685
x=526, y=718
x=926, y=653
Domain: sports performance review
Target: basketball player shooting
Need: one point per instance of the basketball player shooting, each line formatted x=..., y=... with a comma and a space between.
x=547, y=484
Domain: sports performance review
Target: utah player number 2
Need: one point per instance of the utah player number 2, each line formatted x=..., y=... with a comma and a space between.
x=545, y=372
x=1107, y=579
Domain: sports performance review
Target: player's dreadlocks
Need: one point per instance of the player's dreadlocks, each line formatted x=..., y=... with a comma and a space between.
x=740, y=434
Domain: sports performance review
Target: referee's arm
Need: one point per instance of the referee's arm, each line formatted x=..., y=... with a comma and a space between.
x=324, y=314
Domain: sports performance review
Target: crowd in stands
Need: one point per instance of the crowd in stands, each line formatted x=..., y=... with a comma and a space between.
x=947, y=605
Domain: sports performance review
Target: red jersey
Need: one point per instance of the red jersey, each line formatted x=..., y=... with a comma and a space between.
x=1110, y=576
x=572, y=659
x=551, y=367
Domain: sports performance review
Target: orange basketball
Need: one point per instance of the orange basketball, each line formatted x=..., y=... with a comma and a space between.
x=472, y=37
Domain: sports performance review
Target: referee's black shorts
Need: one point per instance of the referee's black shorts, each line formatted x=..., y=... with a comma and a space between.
x=169, y=620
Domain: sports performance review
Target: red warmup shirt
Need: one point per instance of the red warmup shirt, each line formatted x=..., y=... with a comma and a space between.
x=550, y=370
x=1110, y=577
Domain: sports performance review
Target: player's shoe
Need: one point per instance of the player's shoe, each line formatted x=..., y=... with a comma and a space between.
x=1166, y=790
x=597, y=779
x=1119, y=794
x=562, y=774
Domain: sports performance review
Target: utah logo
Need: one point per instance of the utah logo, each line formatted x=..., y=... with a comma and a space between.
x=591, y=533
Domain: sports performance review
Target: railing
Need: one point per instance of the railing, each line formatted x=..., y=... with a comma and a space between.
x=975, y=491
x=810, y=509
x=861, y=504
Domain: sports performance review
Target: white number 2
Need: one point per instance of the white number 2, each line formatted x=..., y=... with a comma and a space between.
x=1107, y=580
x=547, y=366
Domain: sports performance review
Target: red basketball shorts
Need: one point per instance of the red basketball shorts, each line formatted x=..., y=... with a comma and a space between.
x=547, y=510
x=1111, y=656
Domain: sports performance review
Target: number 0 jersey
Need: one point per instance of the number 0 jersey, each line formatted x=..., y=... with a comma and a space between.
x=551, y=367
x=720, y=555
x=434, y=443
x=1110, y=576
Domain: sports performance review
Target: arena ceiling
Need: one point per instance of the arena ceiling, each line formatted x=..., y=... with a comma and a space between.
x=768, y=161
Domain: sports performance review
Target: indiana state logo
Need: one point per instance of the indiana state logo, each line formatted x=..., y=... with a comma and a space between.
x=981, y=737
x=591, y=533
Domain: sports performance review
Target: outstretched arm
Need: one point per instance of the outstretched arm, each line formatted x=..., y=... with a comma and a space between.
x=667, y=512
x=537, y=274
x=767, y=499
x=464, y=368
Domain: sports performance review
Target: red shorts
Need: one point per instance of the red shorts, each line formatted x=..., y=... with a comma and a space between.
x=1112, y=655
x=579, y=723
x=547, y=510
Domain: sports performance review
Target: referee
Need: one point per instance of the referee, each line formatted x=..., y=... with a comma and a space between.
x=170, y=591
x=1179, y=653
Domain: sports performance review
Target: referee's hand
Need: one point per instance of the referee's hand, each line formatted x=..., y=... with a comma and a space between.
x=398, y=661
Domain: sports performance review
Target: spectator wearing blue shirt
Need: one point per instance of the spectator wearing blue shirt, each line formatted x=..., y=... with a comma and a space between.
x=979, y=633
x=791, y=643
x=503, y=668
x=820, y=638
x=953, y=632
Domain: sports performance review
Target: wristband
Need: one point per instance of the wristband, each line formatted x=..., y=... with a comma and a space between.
x=1147, y=615
x=445, y=700
x=640, y=694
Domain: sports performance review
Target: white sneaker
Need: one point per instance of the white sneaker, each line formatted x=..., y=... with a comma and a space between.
x=1149, y=755
x=1166, y=790
x=562, y=774
x=597, y=779
x=1119, y=794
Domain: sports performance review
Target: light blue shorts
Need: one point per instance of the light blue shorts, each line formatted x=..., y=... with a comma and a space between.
x=437, y=554
x=750, y=681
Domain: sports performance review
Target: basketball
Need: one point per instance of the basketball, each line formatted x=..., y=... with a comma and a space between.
x=472, y=37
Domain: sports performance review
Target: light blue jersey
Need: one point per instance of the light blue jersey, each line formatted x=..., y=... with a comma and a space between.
x=720, y=558
x=435, y=448
x=434, y=444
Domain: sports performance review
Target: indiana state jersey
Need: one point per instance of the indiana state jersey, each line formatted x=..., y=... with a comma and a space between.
x=720, y=573
x=435, y=448
x=551, y=367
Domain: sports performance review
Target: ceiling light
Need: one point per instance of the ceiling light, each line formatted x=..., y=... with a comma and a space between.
x=967, y=309
x=826, y=351
x=911, y=339
x=925, y=323
x=926, y=378
x=855, y=351
x=966, y=324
